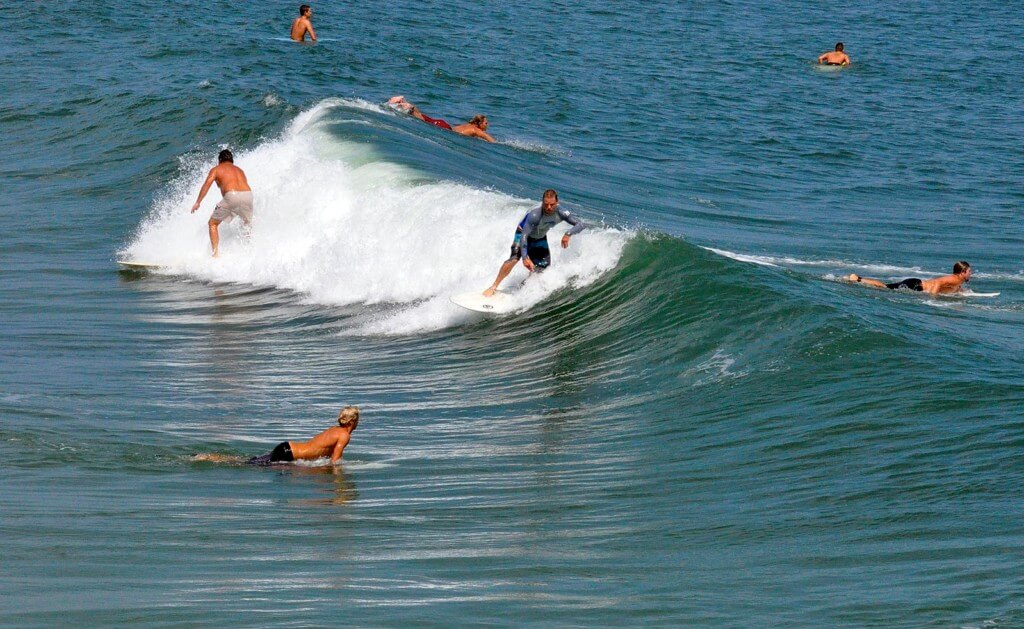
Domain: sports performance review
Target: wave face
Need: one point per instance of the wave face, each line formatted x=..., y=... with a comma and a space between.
x=339, y=224
x=690, y=421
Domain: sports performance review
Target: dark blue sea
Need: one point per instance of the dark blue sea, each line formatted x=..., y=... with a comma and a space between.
x=689, y=420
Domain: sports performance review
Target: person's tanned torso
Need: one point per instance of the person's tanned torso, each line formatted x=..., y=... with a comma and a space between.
x=230, y=178
x=300, y=27
x=321, y=445
x=942, y=285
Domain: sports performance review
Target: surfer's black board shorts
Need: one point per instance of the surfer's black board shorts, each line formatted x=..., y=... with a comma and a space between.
x=282, y=453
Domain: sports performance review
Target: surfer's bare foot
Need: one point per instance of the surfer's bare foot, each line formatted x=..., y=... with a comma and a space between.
x=489, y=292
x=216, y=254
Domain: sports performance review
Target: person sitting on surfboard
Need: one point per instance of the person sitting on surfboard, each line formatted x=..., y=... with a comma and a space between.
x=936, y=286
x=237, y=199
x=475, y=128
x=330, y=442
x=835, y=57
x=303, y=24
x=531, y=238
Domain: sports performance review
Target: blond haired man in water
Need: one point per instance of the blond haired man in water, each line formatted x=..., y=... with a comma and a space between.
x=303, y=24
x=936, y=286
x=330, y=442
x=237, y=194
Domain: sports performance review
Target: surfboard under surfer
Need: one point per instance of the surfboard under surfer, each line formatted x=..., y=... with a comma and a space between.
x=943, y=285
x=530, y=243
x=237, y=195
x=331, y=442
x=475, y=128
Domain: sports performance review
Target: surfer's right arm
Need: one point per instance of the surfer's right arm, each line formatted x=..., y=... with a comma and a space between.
x=526, y=226
x=206, y=188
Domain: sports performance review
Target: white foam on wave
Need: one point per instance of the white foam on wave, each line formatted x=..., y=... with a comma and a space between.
x=341, y=226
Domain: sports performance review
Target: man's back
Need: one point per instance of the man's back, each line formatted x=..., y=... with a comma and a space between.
x=942, y=285
x=230, y=178
x=323, y=444
x=835, y=58
x=300, y=27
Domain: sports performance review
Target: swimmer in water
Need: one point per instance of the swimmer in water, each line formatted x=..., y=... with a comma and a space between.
x=475, y=128
x=944, y=285
x=303, y=24
x=330, y=442
x=835, y=57
x=531, y=239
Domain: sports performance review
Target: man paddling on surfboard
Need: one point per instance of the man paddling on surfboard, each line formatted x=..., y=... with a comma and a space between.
x=330, y=442
x=936, y=286
x=475, y=128
x=237, y=199
x=531, y=239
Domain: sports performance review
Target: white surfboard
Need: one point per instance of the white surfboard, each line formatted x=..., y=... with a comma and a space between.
x=498, y=303
x=967, y=294
x=138, y=265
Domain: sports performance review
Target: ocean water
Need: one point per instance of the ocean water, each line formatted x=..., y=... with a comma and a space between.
x=688, y=422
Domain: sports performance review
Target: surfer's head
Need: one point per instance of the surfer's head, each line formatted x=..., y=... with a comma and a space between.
x=839, y=47
x=305, y=10
x=225, y=156
x=349, y=416
x=963, y=269
x=480, y=121
x=549, y=201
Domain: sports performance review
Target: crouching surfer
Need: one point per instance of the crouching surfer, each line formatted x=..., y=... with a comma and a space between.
x=530, y=243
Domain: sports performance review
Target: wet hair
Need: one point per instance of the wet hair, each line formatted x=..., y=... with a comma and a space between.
x=348, y=415
x=225, y=156
x=839, y=47
x=478, y=120
x=960, y=267
x=304, y=8
x=550, y=192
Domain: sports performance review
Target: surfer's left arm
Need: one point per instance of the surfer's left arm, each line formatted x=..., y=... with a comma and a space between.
x=577, y=226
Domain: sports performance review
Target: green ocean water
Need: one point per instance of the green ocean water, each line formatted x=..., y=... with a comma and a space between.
x=689, y=422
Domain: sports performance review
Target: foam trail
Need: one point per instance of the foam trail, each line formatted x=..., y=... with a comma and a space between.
x=341, y=226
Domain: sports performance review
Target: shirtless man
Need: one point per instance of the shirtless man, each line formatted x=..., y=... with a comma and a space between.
x=531, y=239
x=475, y=128
x=835, y=57
x=330, y=442
x=303, y=25
x=936, y=286
x=237, y=194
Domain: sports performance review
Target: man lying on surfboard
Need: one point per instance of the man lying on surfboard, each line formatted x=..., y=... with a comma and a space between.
x=475, y=128
x=330, y=442
x=531, y=239
x=936, y=286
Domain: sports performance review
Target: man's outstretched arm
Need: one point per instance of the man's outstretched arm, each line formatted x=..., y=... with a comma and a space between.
x=206, y=188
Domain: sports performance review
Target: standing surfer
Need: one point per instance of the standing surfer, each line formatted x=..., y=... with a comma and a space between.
x=531, y=239
x=237, y=194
